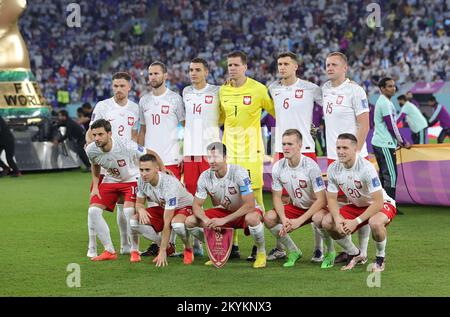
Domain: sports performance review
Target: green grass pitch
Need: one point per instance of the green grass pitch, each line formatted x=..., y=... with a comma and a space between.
x=44, y=228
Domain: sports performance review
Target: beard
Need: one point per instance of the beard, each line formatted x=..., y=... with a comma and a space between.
x=157, y=84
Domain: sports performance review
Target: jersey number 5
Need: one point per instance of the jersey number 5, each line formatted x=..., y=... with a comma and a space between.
x=329, y=109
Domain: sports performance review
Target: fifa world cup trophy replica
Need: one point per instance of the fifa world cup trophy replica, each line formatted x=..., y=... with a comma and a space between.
x=18, y=86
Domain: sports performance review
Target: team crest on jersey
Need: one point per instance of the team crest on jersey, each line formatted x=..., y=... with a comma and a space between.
x=339, y=100
x=232, y=190
x=299, y=93
x=302, y=183
x=121, y=163
x=164, y=109
x=131, y=121
x=247, y=100
x=358, y=184
x=209, y=99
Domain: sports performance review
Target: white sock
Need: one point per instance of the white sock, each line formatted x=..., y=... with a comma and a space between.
x=286, y=240
x=317, y=238
x=92, y=236
x=364, y=235
x=381, y=247
x=257, y=233
x=197, y=232
x=348, y=246
x=329, y=243
x=180, y=230
x=133, y=236
x=173, y=237
x=101, y=228
x=280, y=245
x=123, y=226
x=133, y=226
x=147, y=231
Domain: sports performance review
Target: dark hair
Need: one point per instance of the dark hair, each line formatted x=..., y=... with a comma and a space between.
x=86, y=105
x=341, y=55
x=148, y=158
x=401, y=97
x=293, y=56
x=199, y=60
x=218, y=146
x=121, y=75
x=64, y=113
x=240, y=54
x=432, y=98
x=383, y=81
x=160, y=64
x=348, y=136
x=80, y=110
x=293, y=132
x=101, y=123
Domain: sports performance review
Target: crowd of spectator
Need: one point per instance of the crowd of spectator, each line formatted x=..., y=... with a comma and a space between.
x=411, y=44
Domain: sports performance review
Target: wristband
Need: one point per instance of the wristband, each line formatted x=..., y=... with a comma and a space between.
x=358, y=220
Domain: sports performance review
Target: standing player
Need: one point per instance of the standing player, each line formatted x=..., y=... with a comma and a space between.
x=161, y=111
x=440, y=115
x=369, y=203
x=346, y=110
x=119, y=159
x=123, y=114
x=231, y=192
x=241, y=101
x=294, y=105
x=174, y=204
x=201, y=101
x=301, y=177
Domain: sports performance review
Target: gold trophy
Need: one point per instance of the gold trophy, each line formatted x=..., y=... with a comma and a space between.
x=18, y=86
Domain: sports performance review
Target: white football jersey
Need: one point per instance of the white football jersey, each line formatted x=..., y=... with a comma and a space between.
x=121, y=163
x=169, y=193
x=294, y=107
x=161, y=115
x=202, y=119
x=341, y=106
x=123, y=119
x=357, y=182
x=225, y=192
x=301, y=182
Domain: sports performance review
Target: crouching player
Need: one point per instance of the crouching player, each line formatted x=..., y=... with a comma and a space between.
x=119, y=158
x=174, y=205
x=369, y=203
x=301, y=177
x=234, y=203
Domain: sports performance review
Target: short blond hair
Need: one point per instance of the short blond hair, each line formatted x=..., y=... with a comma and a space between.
x=339, y=54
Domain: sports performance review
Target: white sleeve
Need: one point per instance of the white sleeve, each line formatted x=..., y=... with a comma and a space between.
x=141, y=112
x=244, y=182
x=276, y=182
x=97, y=113
x=135, y=149
x=140, y=193
x=201, y=192
x=316, y=179
x=372, y=180
x=333, y=186
x=179, y=110
x=317, y=94
x=359, y=102
x=171, y=194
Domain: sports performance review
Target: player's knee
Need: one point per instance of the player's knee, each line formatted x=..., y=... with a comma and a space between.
x=327, y=222
x=285, y=199
x=190, y=222
x=95, y=211
x=270, y=218
x=375, y=223
x=317, y=219
x=178, y=227
x=253, y=218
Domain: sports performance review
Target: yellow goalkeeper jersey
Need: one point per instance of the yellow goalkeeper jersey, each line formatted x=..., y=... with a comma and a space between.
x=241, y=114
